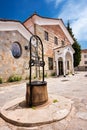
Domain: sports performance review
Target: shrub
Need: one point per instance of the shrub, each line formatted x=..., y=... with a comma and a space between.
x=34, y=77
x=27, y=78
x=0, y=80
x=45, y=75
x=14, y=78
x=55, y=100
x=33, y=107
x=53, y=74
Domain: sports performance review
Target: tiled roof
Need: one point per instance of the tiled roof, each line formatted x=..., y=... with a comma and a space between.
x=84, y=51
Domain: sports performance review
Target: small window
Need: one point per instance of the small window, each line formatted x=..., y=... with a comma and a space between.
x=56, y=40
x=16, y=50
x=62, y=43
x=85, y=62
x=46, y=36
x=50, y=63
x=85, y=56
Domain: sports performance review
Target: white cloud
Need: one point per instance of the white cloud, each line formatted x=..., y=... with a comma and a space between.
x=76, y=12
x=56, y=2
x=71, y=10
x=79, y=28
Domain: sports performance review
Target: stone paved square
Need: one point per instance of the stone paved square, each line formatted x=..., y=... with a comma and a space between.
x=72, y=87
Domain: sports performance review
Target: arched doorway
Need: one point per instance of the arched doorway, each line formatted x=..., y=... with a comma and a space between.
x=60, y=64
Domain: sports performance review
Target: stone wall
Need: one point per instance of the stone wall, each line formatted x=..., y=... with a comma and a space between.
x=10, y=65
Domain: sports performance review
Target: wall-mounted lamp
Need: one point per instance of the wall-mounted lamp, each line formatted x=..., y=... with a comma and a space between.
x=26, y=47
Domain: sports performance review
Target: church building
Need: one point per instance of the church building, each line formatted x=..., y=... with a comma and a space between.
x=57, y=43
x=15, y=36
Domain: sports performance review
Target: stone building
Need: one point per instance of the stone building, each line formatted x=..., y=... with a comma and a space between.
x=15, y=36
x=57, y=43
x=13, y=57
x=83, y=63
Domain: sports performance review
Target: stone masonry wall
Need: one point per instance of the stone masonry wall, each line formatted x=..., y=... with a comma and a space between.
x=53, y=30
x=10, y=65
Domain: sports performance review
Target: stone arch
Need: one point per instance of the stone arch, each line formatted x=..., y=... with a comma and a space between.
x=68, y=62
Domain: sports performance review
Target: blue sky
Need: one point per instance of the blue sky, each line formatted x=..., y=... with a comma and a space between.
x=73, y=10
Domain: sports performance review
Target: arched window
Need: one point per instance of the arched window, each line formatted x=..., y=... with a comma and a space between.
x=16, y=50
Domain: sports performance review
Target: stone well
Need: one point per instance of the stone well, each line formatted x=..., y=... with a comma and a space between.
x=36, y=93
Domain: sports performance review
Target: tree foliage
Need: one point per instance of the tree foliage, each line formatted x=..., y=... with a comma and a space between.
x=76, y=47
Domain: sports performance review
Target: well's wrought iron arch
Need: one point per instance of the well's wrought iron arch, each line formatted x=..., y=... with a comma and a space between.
x=32, y=61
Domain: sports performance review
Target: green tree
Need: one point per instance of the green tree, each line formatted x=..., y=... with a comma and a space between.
x=76, y=47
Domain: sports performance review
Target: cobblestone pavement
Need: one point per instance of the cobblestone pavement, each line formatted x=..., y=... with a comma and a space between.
x=72, y=87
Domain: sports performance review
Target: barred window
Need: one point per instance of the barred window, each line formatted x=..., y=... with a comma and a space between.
x=85, y=56
x=62, y=42
x=56, y=40
x=85, y=62
x=46, y=36
x=50, y=63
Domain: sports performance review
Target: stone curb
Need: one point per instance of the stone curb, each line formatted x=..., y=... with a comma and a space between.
x=56, y=109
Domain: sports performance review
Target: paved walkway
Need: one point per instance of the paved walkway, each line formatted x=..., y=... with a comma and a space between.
x=72, y=87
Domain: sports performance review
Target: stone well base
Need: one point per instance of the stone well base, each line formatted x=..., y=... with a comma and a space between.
x=55, y=109
x=36, y=93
